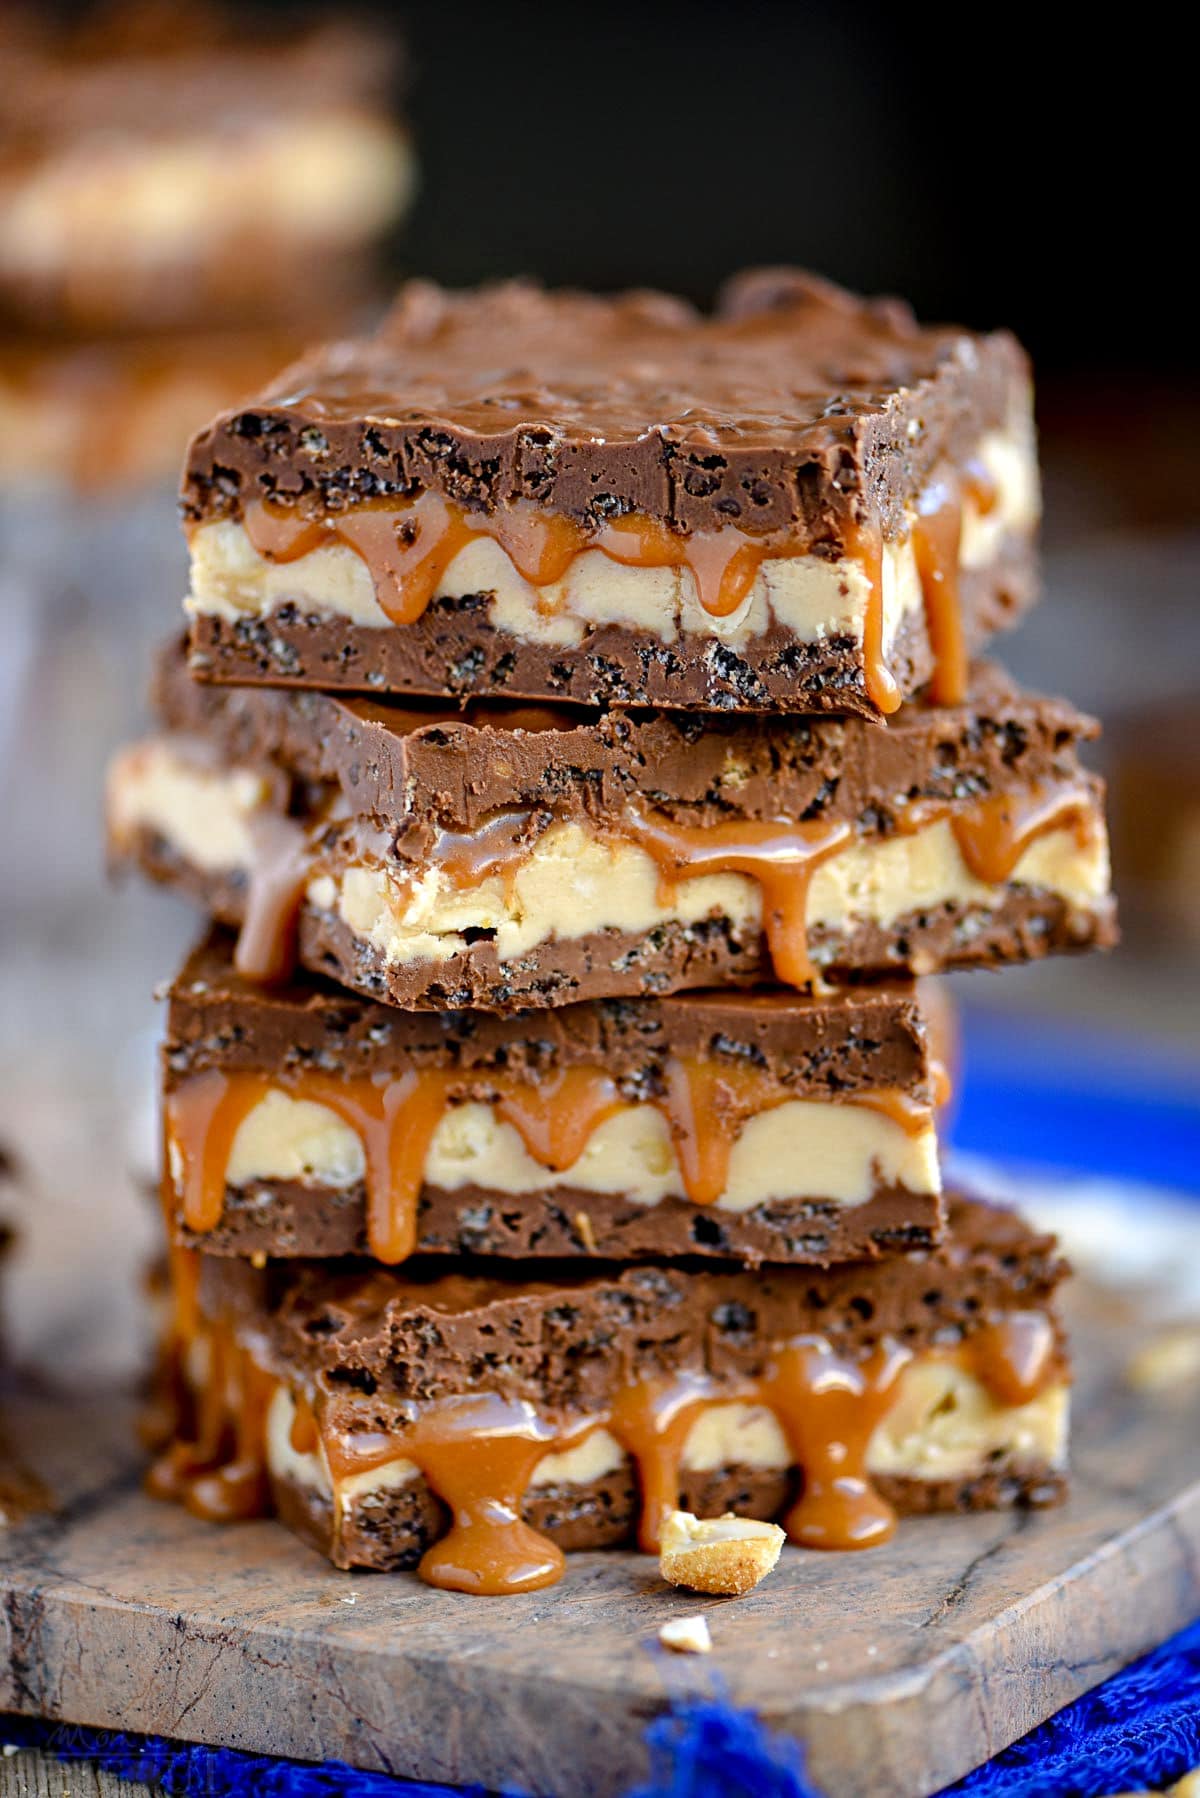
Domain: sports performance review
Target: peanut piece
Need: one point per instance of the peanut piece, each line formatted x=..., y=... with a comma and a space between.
x=720, y=1554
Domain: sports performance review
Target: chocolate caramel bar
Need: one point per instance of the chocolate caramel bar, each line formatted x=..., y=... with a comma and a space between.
x=303, y=1121
x=804, y=502
x=520, y=857
x=476, y=1424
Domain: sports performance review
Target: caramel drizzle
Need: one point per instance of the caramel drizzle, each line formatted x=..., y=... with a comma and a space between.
x=937, y=541
x=828, y=1407
x=652, y=1420
x=1013, y=1358
x=865, y=543
x=936, y=534
x=215, y=1462
x=393, y=1118
x=216, y=1467
x=780, y=854
x=266, y=945
x=994, y=834
x=409, y=545
x=705, y=1105
x=478, y=1452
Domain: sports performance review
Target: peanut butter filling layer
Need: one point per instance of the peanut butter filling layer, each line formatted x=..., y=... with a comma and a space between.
x=724, y=1136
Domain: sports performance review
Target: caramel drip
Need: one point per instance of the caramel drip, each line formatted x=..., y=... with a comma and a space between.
x=937, y=540
x=203, y=1117
x=937, y=550
x=1013, y=1357
x=219, y=1471
x=943, y=1085
x=184, y=1273
x=478, y=1454
x=652, y=1420
x=865, y=543
x=498, y=846
x=781, y=855
x=899, y=1107
x=705, y=1105
x=409, y=546
x=555, y=1119
x=394, y=1120
x=724, y=564
x=266, y=945
x=828, y=1408
x=995, y=833
x=239, y=1487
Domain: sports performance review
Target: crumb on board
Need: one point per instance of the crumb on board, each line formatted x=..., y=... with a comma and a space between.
x=686, y=1635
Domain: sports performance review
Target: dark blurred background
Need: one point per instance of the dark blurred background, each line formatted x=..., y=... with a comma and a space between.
x=961, y=157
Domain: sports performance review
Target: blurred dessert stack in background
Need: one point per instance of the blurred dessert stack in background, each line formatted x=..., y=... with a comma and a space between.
x=1154, y=761
x=171, y=183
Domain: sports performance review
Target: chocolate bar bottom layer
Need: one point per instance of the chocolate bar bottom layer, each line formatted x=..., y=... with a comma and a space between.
x=393, y=1533
x=288, y=1218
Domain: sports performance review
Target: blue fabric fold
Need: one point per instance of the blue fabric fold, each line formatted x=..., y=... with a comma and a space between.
x=1139, y=1731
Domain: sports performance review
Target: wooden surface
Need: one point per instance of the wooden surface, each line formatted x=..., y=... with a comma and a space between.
x=33, y=1775
x=900, y=1668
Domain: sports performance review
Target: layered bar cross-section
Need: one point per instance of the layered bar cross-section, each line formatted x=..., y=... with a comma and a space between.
x=804, y=502
x=303, y=1121
x=477, y=1423
x=516, y=857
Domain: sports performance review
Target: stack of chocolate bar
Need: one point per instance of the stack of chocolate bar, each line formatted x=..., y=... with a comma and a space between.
x=578, y=751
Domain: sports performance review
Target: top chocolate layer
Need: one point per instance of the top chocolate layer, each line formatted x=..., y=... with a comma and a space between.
x=422, y=767
x=562, y=1334
x=795, y=408
x=822, y=1047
